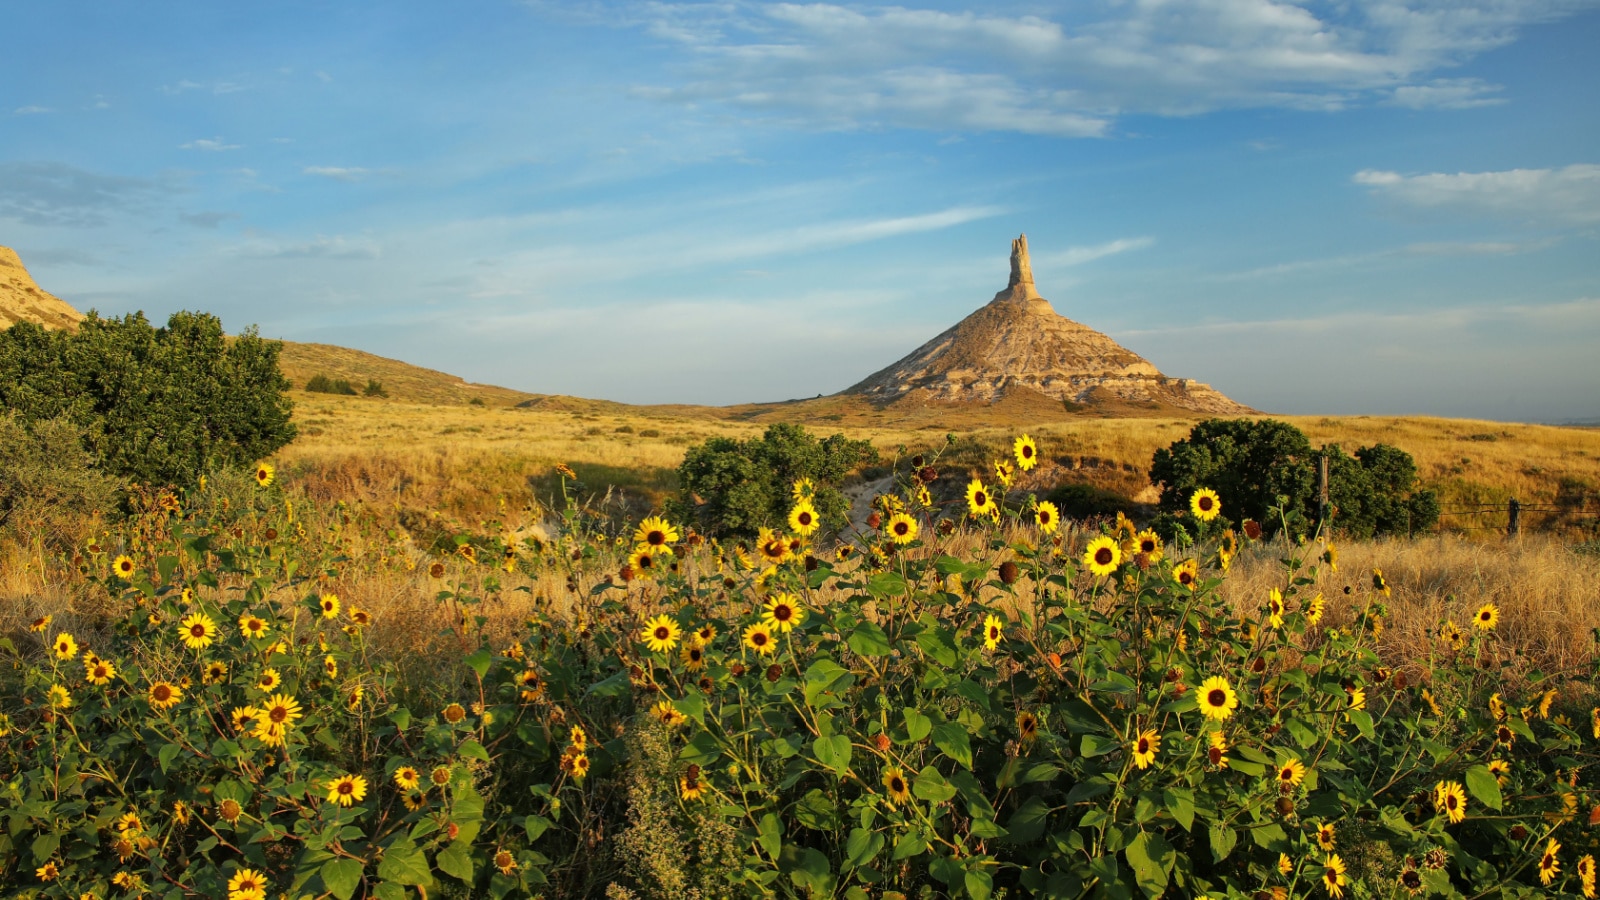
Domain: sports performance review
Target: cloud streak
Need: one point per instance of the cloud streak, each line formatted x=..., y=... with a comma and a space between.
x=1569, y=195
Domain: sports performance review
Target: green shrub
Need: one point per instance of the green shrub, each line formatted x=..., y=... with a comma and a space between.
x=1087, y=501
x=374, y=388
x=157, y=405
x=1266, y=470
x=49, y=488
x=735, y=488
x=322, y=384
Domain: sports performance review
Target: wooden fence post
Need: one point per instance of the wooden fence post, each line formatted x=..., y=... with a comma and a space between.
x=1513, y=511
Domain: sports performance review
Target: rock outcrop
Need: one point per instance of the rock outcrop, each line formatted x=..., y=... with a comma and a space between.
x=23, y=301
x=1017, y=342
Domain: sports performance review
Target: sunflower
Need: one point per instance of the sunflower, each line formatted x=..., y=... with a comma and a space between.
x=216, y=671
x=64, y=646
x=1356, y=698
x=1333, y=875
x=578, y=738
x=439, y=776
x=269, y=680
x=453, y=713
x=278, y=714
x=645, y=562
x=414, y=800
x=1275, y=608
x=580, y=766
x=1186, y=574
x=783, y=613
x=1004, y=472
x=1488, y=616
x=60, y=697
x=902, y=528
x=758, y=637
x=164, y=695
x=668, y=713
x=198, y=631
x=803, y=519
x=894, y=781
x=803, y=489
x=1285, y=864
x=705, y=634
x=1504, y=736
x=1145, y=747
x=331, y=666
x=123, y=566
x=1379, y=584
x=1586, y=874
x=98, y=672
x=1047, y=517
x=1450, y=799
x=329, y=604
x=264, y=474
x=979, y=502
x=660, y=634
x=1027, y=727
x=1500, y=769
x=773, y=547
x=245, y=718
x=1549, y=865
x=1497, y=707
x=347, y=789
x=1314, y=609
x=993, y=631
x=360, y=617
x=1205, y=504
x=1291, y=773
x=656, y=533
x=252, y=626
x=1148, y=544
x=407, y=778
x=691, y=788
x=38, y=625
x=693, y=656
x=1325, y=835
x=1103, y=555
x=1026, y=452
x=48, y=872
x=230, y=810
x=1545, y=700
x=1217, y=699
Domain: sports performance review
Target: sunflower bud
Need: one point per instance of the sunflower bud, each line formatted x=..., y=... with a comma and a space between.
x=1008, y=572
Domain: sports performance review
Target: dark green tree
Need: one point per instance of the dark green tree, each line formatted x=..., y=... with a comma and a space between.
x=1249, y=463
x=734, y=488
x=49, y=488
x=157, y=405
x=1376, y=492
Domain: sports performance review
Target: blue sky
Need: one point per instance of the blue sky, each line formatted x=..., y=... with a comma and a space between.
x=1361, y=206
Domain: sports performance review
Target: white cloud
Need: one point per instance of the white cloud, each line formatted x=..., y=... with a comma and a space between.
x=31, y=110
x=210, y=145
x=319, y=247
x=1077, y=256
x=1569, y=195
x=1073, y=72
x=338, y=173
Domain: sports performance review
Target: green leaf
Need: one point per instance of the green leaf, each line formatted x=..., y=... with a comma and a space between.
x=342, y=877
x=1028, y=822
x=1151, y=858
x=390, y=891
x=479, y=661
x=929, y=785
x=535, y=826
x=1484, y=786
x=167, y=754
x=403, y=863
x=910, y=844
x=1180, y=803
x=869, y=640
x=934, y=643
x=917, y=724
x=401, y=717
x=887, y=584
x=1223, y=840
x=770, y=835
x=833, y=752
x=473, y=750
x=456, y=860
x=952, y=741
x=1094, y=745
x=978, y=883
x=1363, y=722
x=862, y=846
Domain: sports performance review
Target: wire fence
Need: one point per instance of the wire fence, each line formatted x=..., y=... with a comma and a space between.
x=1511, y=517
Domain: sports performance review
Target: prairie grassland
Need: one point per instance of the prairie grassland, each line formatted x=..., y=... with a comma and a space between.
x=464, y=459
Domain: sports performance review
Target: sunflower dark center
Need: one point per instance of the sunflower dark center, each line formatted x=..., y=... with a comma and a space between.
x=346, y=787
x=278, y=714
x=759, y=638
x=656, y=538
x=1103, y=556
x=1205, y=504
x=1450, y=801
x=645, y=561
x=782, y=613
x=805, y=518
x=896, y=785
x=662, y=633
x=161, y=692
x=1027, y=452
x=198, y=630
x=981, y=498
x=1217, y=697
x=1044, y=515
x=1144, y=745
x=901, y=527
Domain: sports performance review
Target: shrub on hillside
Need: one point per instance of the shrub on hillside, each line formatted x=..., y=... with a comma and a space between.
x=49, y=487
x=730, y=487
x=157, y=405
x=374, y=388
x=322, y=384
x=1266, y=470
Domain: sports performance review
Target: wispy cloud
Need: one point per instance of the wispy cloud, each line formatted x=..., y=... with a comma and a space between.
x=1072, y=73
x=1583, y=313
x=1420, y=249
x=338, y=173
x=31, y=110
x=56, y=194
x=1077, y=256
x=1569, y=195
x=319, y=247
x=207, y=219
x=210, y=145
x=213, y=87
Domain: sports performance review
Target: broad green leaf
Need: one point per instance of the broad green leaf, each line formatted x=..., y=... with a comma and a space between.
x=456, y=860
x=770, y=835
x=473, y=750
x=917, y=724
x=952, y=740
x=869, y=640
x=478, y=661
x=403, y=863
x=833, y=752
x=1151, y=858
x=342, y=876
x=1094, y=745
x=929, y=785
x=978, y=884
x=1223, y=839
x=1484, y=786
x=1180, y=803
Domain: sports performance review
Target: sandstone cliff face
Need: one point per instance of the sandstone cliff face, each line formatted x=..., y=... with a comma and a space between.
x=23, y=301
x=1018, y=341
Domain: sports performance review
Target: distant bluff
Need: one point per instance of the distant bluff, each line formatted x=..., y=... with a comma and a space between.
x=23, y=301
x=1017, y=344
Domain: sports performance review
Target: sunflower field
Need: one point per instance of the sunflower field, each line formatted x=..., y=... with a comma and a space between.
x=969, y=700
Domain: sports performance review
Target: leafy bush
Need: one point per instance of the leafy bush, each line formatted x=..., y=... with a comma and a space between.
x=1005, y=708
x=730, y=487
x=157, y=405
x=322, y=384
x=1087, y=501
x=49, y=488
x=374, y=388
x=1264, y=469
